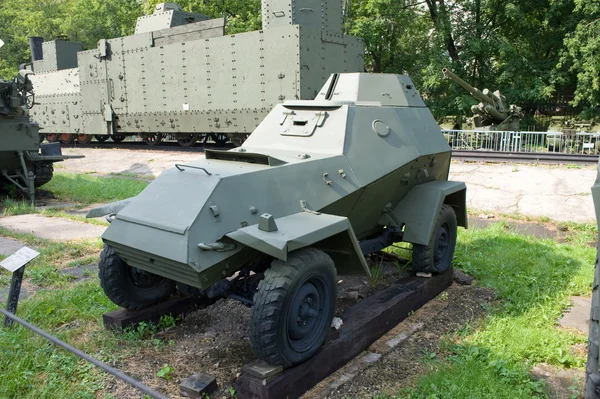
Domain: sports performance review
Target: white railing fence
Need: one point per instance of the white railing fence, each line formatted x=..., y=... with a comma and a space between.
x=505, y=141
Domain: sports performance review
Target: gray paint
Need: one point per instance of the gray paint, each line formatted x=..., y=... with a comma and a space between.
x=191, y=79
x=329, y=156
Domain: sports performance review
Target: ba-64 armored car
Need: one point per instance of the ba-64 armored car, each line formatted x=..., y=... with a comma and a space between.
x=315, y=188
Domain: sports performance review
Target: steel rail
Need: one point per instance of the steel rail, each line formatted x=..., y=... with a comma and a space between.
x=527, y=157
x=110, y=370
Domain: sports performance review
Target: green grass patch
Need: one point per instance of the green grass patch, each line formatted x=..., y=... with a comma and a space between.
x=13, y=207
x=54, y=256
x=37, y=368
x=534, y=279
x=91, y=189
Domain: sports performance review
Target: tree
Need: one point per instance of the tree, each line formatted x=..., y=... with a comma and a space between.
x=582, y=53
x=80, y=20
x=394, y=33
x=240, y=15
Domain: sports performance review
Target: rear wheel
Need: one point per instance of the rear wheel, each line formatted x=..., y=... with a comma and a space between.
x=117, y=138
x=436, y=257
x=128, y=286
x=101, y=138
x=293, y=307
x=67, y=138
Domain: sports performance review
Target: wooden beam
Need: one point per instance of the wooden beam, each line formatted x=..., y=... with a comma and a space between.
x=122, y=318
x=364, y=323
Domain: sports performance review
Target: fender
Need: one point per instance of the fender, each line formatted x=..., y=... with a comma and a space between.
x=332, y=234
x=418, y=210
x=108, y=209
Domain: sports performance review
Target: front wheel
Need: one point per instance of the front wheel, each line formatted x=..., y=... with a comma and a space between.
x=128, y=286
x=293, y=307
x=436, y=257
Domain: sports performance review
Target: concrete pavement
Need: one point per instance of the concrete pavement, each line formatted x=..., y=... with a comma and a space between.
x=557, y=192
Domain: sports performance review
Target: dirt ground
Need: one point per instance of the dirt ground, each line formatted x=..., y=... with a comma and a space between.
x=214, y=341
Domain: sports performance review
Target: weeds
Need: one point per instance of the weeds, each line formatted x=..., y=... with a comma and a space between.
x=11, y=207
x=91, y=189
x=165, y=372
x=376, y=272
x=533, y=279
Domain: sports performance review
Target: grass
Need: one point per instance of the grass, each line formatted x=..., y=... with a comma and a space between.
x=37, y=369
x=82, y=190
x=12, y=207
x=91, y=189
x=54, y=256
x=534, y=280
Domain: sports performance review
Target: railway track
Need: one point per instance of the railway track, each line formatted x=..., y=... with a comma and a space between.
x=526, y=157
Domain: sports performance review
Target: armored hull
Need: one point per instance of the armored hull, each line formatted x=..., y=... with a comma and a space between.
x=349, y=173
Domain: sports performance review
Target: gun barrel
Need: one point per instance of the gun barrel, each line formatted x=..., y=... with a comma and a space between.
x=474, y=92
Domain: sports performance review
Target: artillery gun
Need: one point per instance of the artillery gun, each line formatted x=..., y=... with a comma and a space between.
x=315, y=188
x=23, y=161
x=493, y=112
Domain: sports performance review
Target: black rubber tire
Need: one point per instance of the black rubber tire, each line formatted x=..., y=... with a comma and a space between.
x=43, y=172
x=592, y=383
x=189, y=291
x=436, y=257
x=306, y=272
x=101, y=138
x=120, y=287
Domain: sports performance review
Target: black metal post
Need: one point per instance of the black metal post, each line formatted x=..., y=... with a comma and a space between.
x=13, y=294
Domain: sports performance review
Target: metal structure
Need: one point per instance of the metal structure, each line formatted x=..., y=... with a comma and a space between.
x=178, y=76
x=493, y=111
x=317, y=186
x=531, y=142
x=24, y=162
x=592, y=384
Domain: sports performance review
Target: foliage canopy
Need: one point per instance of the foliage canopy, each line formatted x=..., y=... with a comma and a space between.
x=534, y=51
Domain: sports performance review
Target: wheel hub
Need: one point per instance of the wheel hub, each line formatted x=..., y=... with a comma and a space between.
x=442, y=242
x=144, y=279
x=307, y=314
